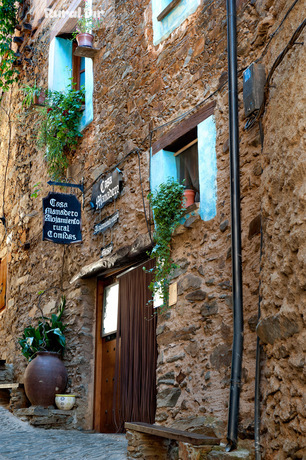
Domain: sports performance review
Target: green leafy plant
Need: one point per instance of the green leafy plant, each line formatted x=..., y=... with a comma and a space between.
x=167, y=206
x=36, y=190
x=59, y=130
x=88, y=22
x=30, y=92
x=47, y=336
x=8, y=12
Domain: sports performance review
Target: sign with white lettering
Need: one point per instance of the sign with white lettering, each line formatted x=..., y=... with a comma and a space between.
x=106, y=190
x=106, y=223
x=62, y=218
x=107, y=250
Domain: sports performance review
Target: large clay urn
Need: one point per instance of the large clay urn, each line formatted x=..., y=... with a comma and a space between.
x=45, y=376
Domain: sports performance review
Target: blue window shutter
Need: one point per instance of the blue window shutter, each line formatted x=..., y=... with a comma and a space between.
x=89, y=87
x=207, y=168
x=163, y=165
x=60, y=64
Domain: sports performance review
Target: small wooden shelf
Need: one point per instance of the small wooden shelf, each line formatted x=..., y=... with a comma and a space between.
x=86, y=51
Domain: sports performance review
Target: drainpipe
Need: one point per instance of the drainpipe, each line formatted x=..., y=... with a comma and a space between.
x=233, y=413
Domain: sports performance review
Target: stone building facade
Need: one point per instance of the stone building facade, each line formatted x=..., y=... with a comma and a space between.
x=147, y=83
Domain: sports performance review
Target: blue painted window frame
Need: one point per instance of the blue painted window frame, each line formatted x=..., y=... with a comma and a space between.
x=162, y=29
x=60, y=72
x=164, y=165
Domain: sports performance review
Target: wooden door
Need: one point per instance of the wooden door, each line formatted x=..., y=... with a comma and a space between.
x=105, y=370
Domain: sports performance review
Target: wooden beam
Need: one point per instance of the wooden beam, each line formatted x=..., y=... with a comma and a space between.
x=183, y=127
x=186, y=147
x=171, y=433
x=167, y=10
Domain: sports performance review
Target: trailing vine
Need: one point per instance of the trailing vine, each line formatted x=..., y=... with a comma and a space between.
x=166, y=203
x=8, y=12
x=60, y=128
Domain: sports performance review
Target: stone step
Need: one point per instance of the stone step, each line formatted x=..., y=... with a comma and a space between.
x=219, y=453
x=47, y=417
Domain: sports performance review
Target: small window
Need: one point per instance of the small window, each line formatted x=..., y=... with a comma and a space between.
x=185, y=150
x=188, y=152
x=110, y=309
x=3, y=274
x=78, y=70
x=167, y=15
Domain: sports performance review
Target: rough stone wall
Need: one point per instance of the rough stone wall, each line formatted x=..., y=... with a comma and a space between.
x=137, y=84
x=282, y=327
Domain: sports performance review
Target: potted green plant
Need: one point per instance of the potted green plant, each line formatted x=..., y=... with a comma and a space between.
x=166, y=203
x=43, y=346
x=86, y=24
x=34, y=95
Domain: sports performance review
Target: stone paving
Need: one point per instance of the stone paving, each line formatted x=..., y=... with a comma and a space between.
x=20, y=441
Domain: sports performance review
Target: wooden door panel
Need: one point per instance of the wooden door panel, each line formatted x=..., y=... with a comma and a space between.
x=107, y=387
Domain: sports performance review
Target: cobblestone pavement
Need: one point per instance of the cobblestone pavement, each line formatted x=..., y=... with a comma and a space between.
x=20, y=441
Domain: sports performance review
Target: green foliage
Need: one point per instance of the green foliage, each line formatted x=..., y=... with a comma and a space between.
x=59, y=130
x=29, y=94
x=36, y=190
x=88, y=22
x=47, y=336
x=166, y=203
x=8, y=11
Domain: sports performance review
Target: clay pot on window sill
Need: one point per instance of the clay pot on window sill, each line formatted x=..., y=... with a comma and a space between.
x=85, y=40
x=189, y=196
x=40, y=100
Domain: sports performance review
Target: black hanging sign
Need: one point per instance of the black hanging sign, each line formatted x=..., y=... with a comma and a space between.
x=107, y=250
x=62, y=218
x=106, y=223
x=106, y=190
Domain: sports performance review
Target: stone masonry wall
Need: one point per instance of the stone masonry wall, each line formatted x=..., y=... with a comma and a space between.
x=282, y=326
x=137, y=84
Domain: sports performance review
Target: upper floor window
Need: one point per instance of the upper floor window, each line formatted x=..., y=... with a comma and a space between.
x=169, y=14
x=63, y=66
x=188, y=153
x=78, y=69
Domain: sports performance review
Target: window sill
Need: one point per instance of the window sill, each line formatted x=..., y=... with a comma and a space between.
x=85, y=51
x=191, y=215
x=167, y=10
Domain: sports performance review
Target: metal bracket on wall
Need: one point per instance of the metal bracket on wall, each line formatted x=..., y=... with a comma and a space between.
x=68, y=184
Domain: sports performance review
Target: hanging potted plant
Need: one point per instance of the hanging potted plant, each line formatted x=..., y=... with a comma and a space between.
x=166, y=203
x=43, y=346
x=34, y=95
x=87, y=23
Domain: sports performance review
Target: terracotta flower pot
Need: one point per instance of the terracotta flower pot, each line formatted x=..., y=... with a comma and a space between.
x=189, y=196
x=45, y=376
x=40, y=100
x=85, y=40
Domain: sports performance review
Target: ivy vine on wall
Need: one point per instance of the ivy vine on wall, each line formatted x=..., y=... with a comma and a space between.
x=8, y=13
x=60, y=128
x=168, y=209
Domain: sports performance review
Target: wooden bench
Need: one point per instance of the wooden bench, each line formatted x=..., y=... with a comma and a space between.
x=153, y=438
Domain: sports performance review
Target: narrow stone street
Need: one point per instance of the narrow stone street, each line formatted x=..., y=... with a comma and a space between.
x=18, y=440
